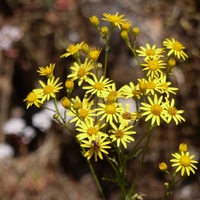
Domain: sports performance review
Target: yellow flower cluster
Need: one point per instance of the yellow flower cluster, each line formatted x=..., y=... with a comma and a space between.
x=101, y=121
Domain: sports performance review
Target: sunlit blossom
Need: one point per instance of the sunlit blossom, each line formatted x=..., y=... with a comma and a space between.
x=115, y=19
x=34, y=97
x=176, y=48
x=122, y=134
x=72, y=49
x=47, y=71
x=184, y=163
x=81, y=71
x=155, y=110
x=150, y=51
x=97, y=145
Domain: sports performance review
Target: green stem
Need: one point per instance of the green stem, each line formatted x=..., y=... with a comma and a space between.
x=96, y=179
x=141, y=162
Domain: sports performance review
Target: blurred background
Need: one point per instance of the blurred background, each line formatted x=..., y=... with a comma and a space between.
x=39, y=160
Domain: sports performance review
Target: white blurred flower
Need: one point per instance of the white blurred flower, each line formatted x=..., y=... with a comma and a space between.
x=130, y=102
x=28, y=134
x=9, y=34
x=42, y=121
x=14, y=126
x=6, y=151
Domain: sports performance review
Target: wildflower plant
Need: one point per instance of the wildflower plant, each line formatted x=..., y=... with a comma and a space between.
x=104, y=125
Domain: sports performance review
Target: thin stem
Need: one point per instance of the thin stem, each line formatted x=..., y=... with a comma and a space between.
x=141, y=162
x=96, y=179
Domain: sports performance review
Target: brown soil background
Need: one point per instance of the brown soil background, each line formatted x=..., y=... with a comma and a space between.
x=51, y=167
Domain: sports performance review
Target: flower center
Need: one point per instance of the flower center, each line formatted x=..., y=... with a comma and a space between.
x=150, y=52
x=72, y=49
x=114, y=19
x=83, y=113
x=156, y=109
x=92, y=131
x=151, y=85
x=110, y=109
x=98, y=86
x=32, y=97
x=153, y=65
x=81, y=72
x=172, y=111
x=119, y=134
x=48, y=89
x=136, y=92
x=177, y=46
x=126, y=115
x=94, y=145
x=185, y=161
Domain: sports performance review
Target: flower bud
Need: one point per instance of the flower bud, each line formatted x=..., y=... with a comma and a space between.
x=135, y=31
x=69, y=84
x=163, y=167
x=65, y=102
x=171, y=62
x=94, y=20
x=124, y=35
x=183, y=147
x=85, y=48
x=104, y=30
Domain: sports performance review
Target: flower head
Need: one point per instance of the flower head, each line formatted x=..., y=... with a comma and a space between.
x=81, y=111
x=150, y=51
x=34, y=97
x=98, y=87
x=173, y=113
x=81, y=71
x=72, y=49
x=49, y=89
x=94, y=20
x=154, y=67
x=87, y=129
x=184, y=162
x=109, y=112
x=176, y=48
x=155, y=110
x=114, y=19
x=94, y=53
x=46, y=71
x=183, y=147
x=97, y=145
x=131, y=91
x=121, y=134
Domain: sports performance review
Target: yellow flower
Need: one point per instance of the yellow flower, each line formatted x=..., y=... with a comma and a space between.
x=109, y=111
x=131, y=91
x=154, y=66
x=114, y=19
x=154, y=110
x=176, y=48
x=173, y=113
x=72, y=49
x=87, y=129
x=126, y=115
x=121, y=134
x=46, y=71
x=150, y=52
x=163, y=167
x=48, y=90
x=96, y=145
x=34, y=97
x=164, y=85
x=184, y=162
x=83, y=112
x=126, y=26
x=98, y=87
x=81, y=72
x=94, y=53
